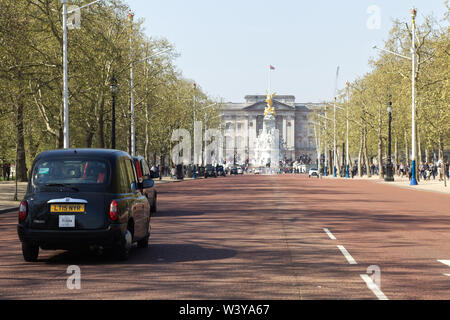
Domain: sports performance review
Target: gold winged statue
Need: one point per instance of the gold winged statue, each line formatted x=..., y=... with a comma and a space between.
x=270, y=110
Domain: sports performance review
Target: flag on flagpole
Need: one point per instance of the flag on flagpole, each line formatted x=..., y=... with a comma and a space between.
x=272, y=67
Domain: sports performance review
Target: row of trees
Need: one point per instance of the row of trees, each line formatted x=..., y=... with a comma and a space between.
x=390, y=80
x=31, y=116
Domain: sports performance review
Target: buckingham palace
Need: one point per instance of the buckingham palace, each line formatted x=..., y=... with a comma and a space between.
x=243, y=122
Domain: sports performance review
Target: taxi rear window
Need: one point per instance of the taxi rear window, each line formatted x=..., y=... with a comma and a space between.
x=78, y=172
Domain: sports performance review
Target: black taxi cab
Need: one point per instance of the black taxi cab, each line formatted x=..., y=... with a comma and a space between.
x=81, y=198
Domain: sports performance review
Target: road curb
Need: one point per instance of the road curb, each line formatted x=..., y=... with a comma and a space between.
x=8, y=210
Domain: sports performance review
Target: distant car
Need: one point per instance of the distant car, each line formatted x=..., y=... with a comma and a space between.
x=82, y=198
x=240, y=170
x=258, y=170
x=313, y=172
x=143, y=173
x=210, y=171
x=220, y=171
x=233, y=170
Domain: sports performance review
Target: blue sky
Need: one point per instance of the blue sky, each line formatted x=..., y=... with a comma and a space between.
x=227, y=46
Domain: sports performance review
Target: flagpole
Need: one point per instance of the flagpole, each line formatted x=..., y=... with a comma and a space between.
x=270, y=69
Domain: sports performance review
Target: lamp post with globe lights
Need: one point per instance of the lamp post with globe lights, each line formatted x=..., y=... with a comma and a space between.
x=389, y=174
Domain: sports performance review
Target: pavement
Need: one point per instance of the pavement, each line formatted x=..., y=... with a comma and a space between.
x=403, y=182
x=7, y=191
x=260, y=237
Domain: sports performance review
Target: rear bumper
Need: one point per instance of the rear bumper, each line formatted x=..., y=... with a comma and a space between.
x=67, y=239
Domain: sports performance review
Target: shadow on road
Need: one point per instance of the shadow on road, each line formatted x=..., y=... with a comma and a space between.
x=154, y=254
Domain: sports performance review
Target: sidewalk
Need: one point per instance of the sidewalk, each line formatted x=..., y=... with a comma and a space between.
x=7, y=190
x=431, y=185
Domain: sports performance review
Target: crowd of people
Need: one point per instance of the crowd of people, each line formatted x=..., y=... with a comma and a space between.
x=426, y=171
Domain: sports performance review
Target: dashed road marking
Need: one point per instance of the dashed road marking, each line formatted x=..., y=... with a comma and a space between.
x=332, y=237
x=373, y=287
x=447, y=263
x=347, y=255
x=367, y=279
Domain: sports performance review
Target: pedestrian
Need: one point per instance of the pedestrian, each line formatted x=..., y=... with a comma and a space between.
x=427, y=174
x=434, y=171
x=439, y=170
x=422, y=170
x=8, y=170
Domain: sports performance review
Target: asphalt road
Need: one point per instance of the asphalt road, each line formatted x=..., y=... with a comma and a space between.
x=260, y=237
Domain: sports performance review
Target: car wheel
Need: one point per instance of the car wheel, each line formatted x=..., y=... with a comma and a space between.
x=153, y=207
x=30, y=251
x=122, y=248
x=142, y=244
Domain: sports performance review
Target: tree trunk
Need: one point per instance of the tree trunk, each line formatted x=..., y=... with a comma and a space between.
x=60, y=137
x=380, y=145
x=89, y=138
x=21, y=166
x=101, y=125
x=396, y=155
x=441, y=158
x=366, y=157
x=338, y=164
x=360, y=155
x=147, y=134
x=406, y=148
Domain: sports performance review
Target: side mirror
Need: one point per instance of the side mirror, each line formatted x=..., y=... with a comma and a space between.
x=148, y=184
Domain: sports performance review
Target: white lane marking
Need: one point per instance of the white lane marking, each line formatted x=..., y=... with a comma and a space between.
x=332, y=237
x=347, y=255
x=372, y=286
x=446, y=262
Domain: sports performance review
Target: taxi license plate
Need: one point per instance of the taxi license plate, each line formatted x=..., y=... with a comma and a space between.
x=67, y=221
x=67, y=208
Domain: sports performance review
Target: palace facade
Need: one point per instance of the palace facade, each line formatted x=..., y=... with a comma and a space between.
x=243, y=122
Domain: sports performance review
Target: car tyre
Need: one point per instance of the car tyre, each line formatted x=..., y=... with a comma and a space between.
x=122, y=248
x=153, y=208
x=30, y=251
x=143, y=244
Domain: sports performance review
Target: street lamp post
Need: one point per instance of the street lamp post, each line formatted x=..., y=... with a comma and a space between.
x=413, y=80
x=389, y=176
x=65, y=77
x=413, y=94
x=113, y=89
x=132, y=62
x=334, y=149
x=65, y=71
x=347, y=168
x=326, y=148
x=132, y=129
x=195, y=160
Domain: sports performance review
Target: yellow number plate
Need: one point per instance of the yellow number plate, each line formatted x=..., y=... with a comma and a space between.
x=67, y=208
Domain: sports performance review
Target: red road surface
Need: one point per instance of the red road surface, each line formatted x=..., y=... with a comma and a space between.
x=258, y=237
